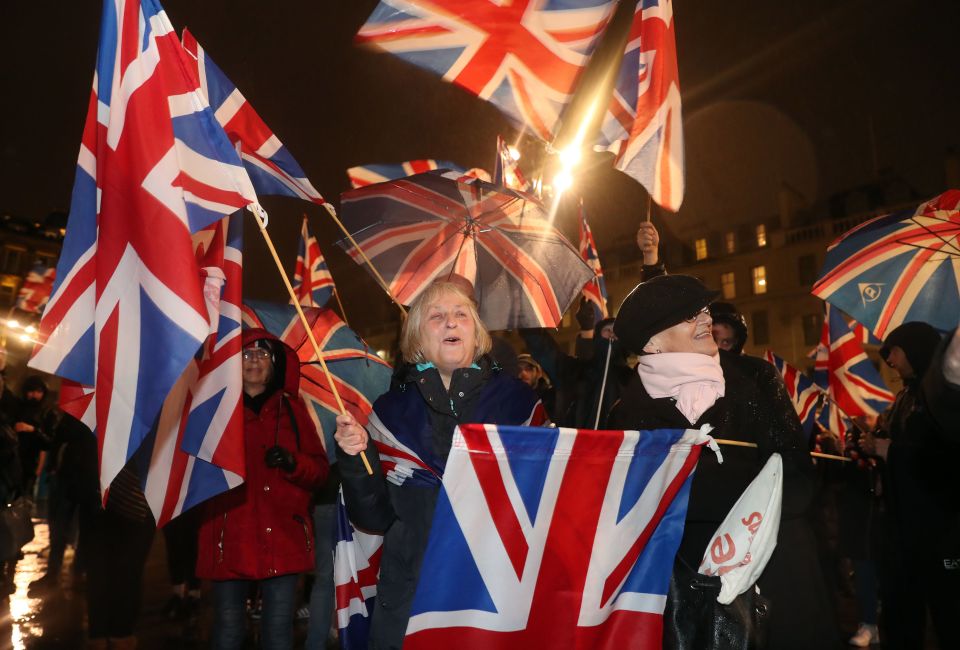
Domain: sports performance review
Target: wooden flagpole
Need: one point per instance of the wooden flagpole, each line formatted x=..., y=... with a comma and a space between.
x=373, y=269
x=815, y=454
x=258, y=214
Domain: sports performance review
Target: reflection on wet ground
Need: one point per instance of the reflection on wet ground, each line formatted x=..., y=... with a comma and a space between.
x=56, y=618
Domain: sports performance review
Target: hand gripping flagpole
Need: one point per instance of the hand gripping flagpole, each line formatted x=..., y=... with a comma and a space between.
x=356, y=246
x=261, y=216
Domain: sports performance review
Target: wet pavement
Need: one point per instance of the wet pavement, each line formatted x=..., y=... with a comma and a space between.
x=57, y=620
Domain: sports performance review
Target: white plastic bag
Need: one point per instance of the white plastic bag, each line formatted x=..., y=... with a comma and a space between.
x=743, y=543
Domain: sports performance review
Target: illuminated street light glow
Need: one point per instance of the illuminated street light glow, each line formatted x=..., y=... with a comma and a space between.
x=570, y=157
x=562, y=181
x=25, y=338
x=514, y=153
x=13, y=324
x=29, y=329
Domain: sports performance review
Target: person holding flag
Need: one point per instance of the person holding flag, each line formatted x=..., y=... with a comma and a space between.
x=448, y=379
x=683, y=381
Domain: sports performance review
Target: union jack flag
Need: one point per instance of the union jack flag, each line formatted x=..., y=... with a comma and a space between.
x=127, y=312
x=271, y=167
x=312, y=281
x=643, y=125
x=523, y=56
x=356, y=569
x=360, y=376
x=596, y=289
x=372, y=174
x=804, y=393
x=844, y=370
x=506, y=171
x=553, y=538
x=35, y=290
x=197, y=448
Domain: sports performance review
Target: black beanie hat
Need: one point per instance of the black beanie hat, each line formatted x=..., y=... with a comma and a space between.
x=658, y=304
x=726, y=313
x=918, y=341
x=34, y=382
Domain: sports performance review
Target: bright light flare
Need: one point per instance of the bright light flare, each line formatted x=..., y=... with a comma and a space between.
x=514, y=153
x=571, y=156
x=563, y=181
x=29, y=329
x=13, y=324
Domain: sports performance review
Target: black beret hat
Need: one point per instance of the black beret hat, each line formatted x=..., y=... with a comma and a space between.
x=658, y=304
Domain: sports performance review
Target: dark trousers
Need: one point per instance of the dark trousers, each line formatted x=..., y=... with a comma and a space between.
x=180, y=535
x=61, y=510
x=911, y=584
x=116, y=550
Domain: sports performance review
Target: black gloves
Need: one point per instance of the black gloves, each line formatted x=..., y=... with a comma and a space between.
x=277, y=456
x=586, y=317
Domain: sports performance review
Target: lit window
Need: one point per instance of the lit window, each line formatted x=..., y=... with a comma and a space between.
x=730, y=243
x=728, y=285
x=761, y=235
x=700, y=246
x=759, y=275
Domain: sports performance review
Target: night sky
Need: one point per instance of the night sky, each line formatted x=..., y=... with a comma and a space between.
x=823, y=95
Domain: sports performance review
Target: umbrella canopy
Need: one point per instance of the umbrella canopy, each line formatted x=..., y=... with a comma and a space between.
x=430, y=226
x=898, y=268
x=359, y=375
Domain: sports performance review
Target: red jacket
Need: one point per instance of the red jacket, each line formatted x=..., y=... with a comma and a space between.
x=263, y=528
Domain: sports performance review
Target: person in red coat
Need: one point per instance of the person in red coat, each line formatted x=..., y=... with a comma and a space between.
x=262, y=531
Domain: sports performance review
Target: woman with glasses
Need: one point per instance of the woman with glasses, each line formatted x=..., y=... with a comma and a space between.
x=684, y=381
x=261, y=531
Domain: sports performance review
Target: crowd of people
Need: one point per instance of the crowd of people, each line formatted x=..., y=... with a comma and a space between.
x=672, y=358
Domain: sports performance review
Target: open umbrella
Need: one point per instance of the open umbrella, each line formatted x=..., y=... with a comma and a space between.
x=898, y=268
x=359, y=374
x=430, y=226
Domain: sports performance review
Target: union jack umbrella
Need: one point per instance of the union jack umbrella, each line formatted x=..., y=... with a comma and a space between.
x=524, y=56
x=429, y=226
x=359, y=374
x=898, y=268
x=364, y=175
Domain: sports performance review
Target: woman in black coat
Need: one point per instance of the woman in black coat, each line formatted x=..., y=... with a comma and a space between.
x=684, y=382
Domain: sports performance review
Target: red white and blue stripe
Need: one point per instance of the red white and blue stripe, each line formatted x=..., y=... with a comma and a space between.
x=553, y=538
x=898, y=268
x=371, y=174
x=312, y=282
x=127, y=314
x=523, y=56
x=596, y=289
x=360, y=376
x=643, y=125
x=843, y=368
x=802, y=391
x=272, y=168
x=35, y=290
x=506, y=171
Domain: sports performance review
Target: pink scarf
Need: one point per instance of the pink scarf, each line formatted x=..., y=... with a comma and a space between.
x=694, y=380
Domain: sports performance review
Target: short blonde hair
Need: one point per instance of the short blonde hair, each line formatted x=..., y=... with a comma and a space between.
x=410, y=346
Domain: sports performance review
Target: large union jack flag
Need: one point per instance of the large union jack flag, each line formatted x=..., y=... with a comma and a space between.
x=523, y=56
x=843, y=368
x=643, y=125
x=596, y=289
x=312, y=282
x=35, y=290
x=801, y=389
x=272, y=168
x=360, y=376
x=554, y=538
x=127, y=312
x=197, y=448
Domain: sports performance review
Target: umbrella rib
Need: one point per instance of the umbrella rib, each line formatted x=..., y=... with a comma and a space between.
x=946, y=242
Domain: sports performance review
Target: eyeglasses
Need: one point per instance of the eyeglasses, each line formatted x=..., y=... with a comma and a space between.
x=256, y=353
x=693, y=319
